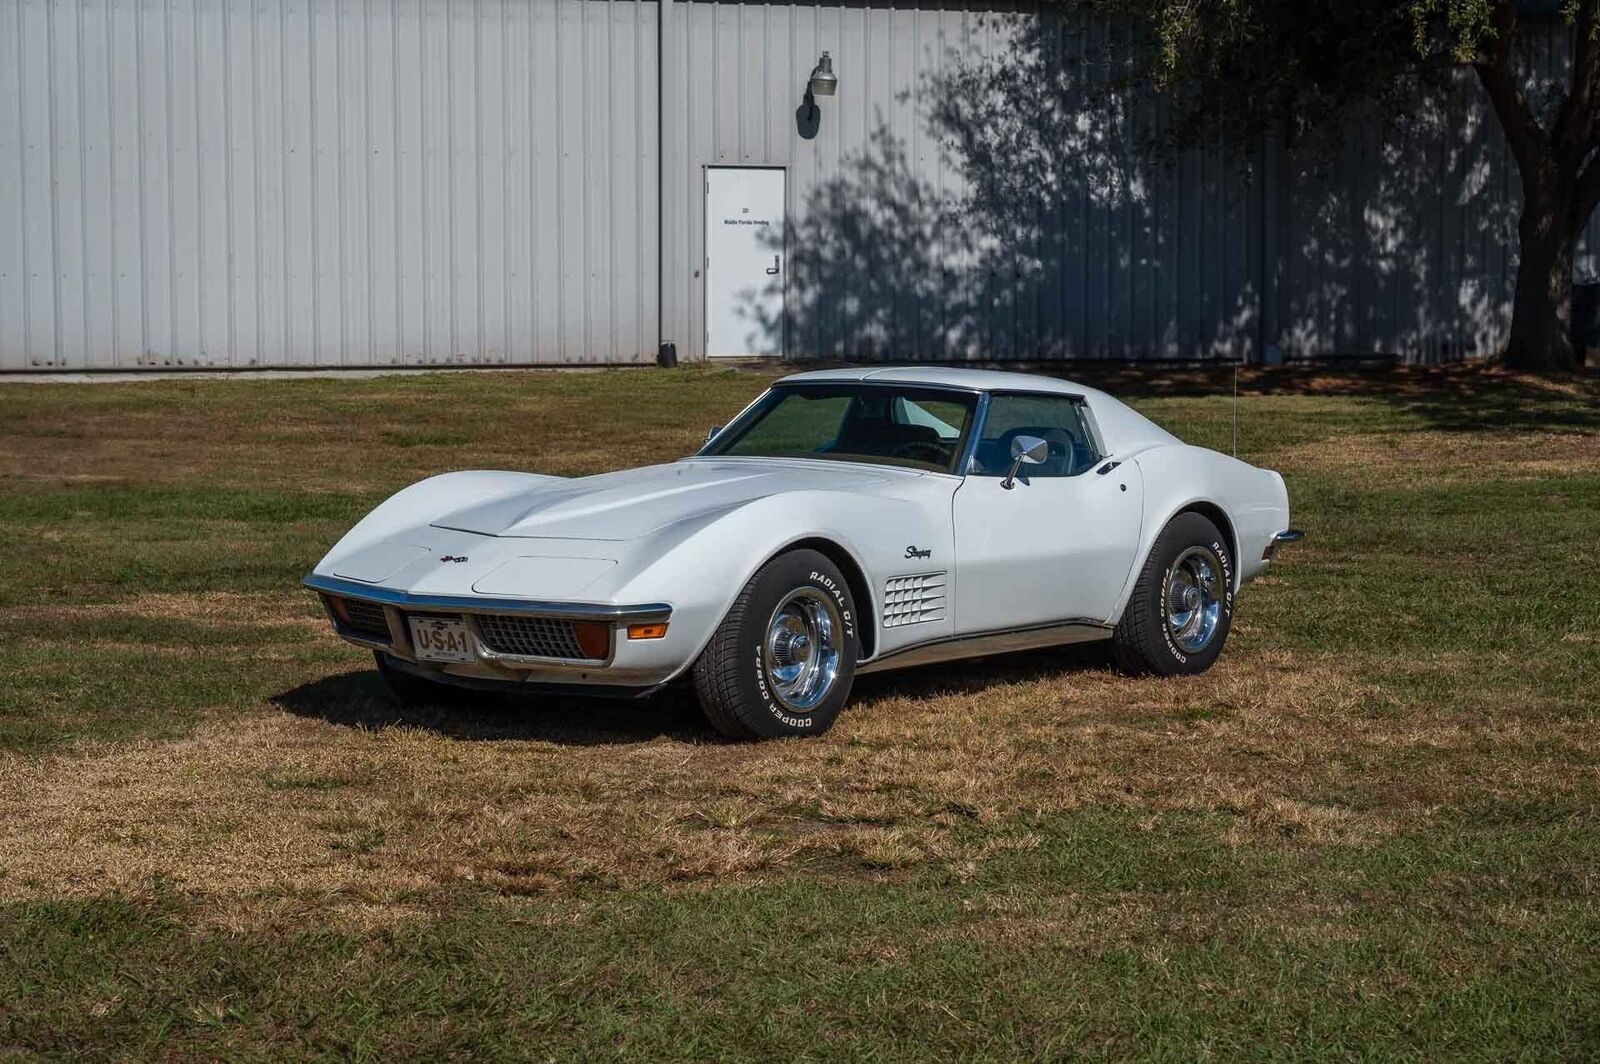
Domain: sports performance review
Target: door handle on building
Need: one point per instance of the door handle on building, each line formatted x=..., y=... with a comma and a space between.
x=774, y=268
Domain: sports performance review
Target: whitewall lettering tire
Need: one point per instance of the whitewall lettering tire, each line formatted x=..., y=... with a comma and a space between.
x=782, y=661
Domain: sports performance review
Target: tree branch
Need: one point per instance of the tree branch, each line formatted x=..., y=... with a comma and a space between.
x=1575, y=127
x=1497, y=70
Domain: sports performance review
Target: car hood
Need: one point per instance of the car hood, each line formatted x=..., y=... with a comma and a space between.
x=635, y=502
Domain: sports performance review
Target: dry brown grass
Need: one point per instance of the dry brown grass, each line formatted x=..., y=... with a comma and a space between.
x=286, y=817
x=294, y=810
x=208, y=610
x=1386, y=459
x=370, y=436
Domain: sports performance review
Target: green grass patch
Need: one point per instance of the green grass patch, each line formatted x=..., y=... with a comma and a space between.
x=1372, y=832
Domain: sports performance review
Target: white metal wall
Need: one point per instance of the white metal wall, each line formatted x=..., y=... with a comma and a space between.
x=238, y=183
x=1163, y=273
x=247, y=183
x=1046, y=237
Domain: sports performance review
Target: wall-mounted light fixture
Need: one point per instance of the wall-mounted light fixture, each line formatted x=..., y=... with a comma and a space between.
x=823, y=82
x=808, y=119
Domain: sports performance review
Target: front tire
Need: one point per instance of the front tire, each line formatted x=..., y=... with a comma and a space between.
x=782, y=661
x=1182, y=606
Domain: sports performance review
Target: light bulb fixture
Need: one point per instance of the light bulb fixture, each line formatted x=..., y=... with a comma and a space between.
x=823, y=82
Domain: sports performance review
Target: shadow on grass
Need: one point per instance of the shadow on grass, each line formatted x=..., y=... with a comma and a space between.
x=973, y=675
x=358, y=700
x=1462, y=398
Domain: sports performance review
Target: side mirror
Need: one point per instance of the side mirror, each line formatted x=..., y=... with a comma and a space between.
x=710, y=435
x=1025, y=450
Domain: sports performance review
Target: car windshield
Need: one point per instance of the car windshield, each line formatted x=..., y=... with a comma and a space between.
x=920, y=428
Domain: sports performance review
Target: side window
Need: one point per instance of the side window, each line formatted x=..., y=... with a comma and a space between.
x=1058, y=420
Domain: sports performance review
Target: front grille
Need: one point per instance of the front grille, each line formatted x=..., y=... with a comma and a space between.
x=366, y=619
x=534, y=637
x=913, y=599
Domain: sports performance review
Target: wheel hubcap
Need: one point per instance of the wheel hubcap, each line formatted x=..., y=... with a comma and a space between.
x=801, y=651
x=1194, y=598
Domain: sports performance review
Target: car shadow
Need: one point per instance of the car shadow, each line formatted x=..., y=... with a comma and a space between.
x=358, y=700
x=974, y=675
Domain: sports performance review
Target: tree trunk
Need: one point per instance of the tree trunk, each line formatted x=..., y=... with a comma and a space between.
x=1541, y=315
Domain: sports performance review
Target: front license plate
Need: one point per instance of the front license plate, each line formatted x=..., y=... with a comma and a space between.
x=441, y=639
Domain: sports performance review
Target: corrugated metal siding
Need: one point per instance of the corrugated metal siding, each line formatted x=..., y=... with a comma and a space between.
x=237, y=183
x=1409, y=248
x=242, y=183
x=1163, y=274
x=1405, y=248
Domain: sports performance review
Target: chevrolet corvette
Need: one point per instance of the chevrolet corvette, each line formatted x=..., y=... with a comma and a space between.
x=847, y=521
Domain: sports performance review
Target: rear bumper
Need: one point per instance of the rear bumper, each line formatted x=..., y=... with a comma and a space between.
x=1288, y=535
x=628, y=664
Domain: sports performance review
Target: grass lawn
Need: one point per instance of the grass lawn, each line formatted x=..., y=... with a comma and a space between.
x=1372, y=830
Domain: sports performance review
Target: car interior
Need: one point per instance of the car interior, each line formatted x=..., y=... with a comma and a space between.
x=878, y=427
x=1069, y=455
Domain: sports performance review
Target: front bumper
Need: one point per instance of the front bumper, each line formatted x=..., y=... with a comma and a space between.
x=627, y=663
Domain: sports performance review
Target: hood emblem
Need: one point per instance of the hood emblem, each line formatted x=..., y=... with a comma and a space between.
x=456, y=558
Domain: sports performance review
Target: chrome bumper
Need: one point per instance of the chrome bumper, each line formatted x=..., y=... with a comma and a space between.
x=399, y=603
x=1288, y=535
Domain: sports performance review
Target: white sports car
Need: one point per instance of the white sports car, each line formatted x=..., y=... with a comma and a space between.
x=846, y=521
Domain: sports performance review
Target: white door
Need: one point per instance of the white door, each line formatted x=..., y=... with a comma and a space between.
x=1060, y=543
x=744, y=261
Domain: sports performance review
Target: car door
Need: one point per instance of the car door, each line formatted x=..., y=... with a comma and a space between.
x=1057, y=545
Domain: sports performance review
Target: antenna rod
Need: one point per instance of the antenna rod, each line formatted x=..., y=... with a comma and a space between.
x=1236, y=409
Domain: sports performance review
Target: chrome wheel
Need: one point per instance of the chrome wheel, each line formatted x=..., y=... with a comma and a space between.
x=800, y=653
x=1194, y=598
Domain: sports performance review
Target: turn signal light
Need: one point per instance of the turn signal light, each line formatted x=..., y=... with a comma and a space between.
x=646, y=631
x=594, y=638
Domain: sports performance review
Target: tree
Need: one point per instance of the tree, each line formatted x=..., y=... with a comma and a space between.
x=1304, y=68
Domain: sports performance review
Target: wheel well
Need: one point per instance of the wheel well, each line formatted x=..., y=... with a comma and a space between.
x=859, y=588
x=1214, y=513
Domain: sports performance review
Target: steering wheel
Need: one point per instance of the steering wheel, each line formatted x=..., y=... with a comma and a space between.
x=922, y=451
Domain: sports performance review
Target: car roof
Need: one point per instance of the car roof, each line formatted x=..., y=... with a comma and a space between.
x=1122, y=429
x=987, y=380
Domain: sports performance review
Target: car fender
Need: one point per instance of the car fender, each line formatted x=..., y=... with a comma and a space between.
x=1179, y=477
x=702, y=564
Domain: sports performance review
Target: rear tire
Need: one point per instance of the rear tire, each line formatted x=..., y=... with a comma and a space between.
x=1182, y=606
x=782, y=661
x=406, y=689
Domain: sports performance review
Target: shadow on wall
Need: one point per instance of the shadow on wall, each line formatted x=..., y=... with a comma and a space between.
x=1053, y=221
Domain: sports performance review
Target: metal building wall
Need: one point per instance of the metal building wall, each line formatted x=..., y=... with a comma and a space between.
x=247, y=183
x=898, y=250
x=240, y=183
x=1408, y=247
x=1166, y=272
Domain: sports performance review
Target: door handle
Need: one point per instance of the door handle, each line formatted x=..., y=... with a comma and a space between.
x=774, y=268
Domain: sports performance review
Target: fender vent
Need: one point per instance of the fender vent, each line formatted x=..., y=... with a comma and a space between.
x=913, y=599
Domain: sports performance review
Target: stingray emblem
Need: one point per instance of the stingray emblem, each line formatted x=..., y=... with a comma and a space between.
x=456, y=558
